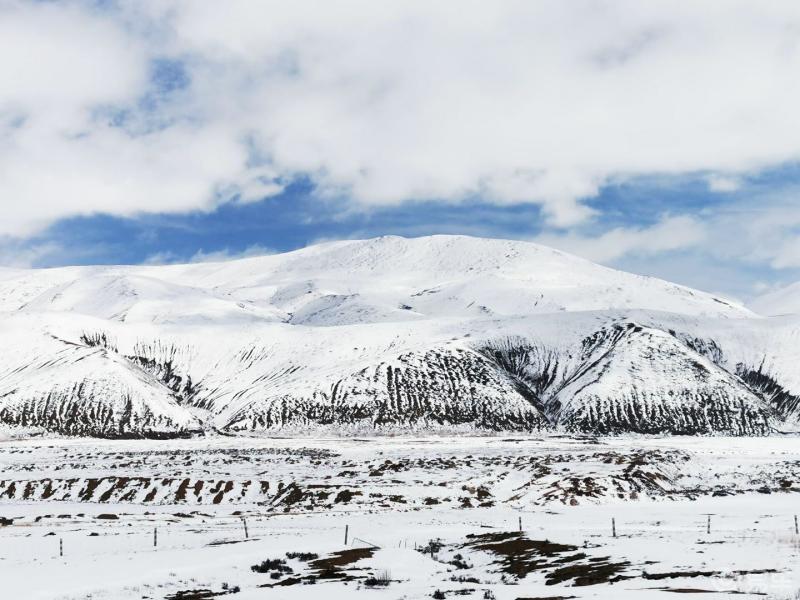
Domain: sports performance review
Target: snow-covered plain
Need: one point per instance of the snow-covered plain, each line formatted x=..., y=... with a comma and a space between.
x=445, y=401
x=395, y=496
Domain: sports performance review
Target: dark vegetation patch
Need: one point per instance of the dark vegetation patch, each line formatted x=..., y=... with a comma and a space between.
x=764, y=384
x=464, y=579
x=459, y=563
x=203, y=594
x=440, y=595
x=272, y=565
x=193, y=595
x=345, y=496
x=432, y=547
x=382, y=579
x=304, y=556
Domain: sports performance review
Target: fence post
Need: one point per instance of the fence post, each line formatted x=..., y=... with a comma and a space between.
x=708, y=525
x=61, y=547
x=796, y=531
x=520, y=524
x=613, y=527
x=246, y=534
x=155, y=537
x=346, y=528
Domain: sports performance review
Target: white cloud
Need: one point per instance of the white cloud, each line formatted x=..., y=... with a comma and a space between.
x=227, y=254
x=16, y=255
x=670, y=233
x=761, y=229
x=788, y=253
x=512, y=101
x=745, y=247
x=57, y=60
x=201, y=256
x=723, y=183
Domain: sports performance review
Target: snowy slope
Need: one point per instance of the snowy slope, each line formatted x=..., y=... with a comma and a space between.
x=77, y=389
x=389, y=334
x=339, y=283
x=646, y=380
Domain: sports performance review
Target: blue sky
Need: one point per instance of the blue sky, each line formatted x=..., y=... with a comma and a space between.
x=659, y=141
x=298, y=217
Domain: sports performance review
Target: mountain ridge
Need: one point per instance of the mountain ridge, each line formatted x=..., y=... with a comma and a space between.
x=387, y=335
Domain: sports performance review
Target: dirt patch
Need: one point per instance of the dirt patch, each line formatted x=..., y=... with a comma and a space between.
x=345, y=496
x=284, y=582
x=561, y=563
x=519, y=554
x=333, y=566
x=691, y=574
x=202, y=594
x=87, y=492
x=588, y=572
x=180, y=494
x=220, y=491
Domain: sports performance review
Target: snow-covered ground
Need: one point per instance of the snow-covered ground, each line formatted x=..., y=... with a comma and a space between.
x=105, y=501
x=438, y=341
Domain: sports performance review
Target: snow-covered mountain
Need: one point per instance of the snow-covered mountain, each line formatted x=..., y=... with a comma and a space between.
x=387, y=335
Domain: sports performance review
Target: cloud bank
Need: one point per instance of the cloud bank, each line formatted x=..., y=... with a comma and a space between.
x=175, y=106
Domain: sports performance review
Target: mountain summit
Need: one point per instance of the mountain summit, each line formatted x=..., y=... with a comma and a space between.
x=384, y=279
